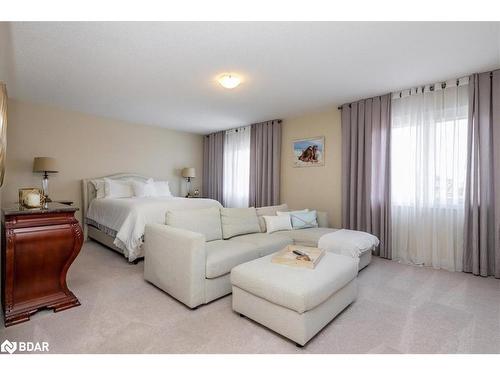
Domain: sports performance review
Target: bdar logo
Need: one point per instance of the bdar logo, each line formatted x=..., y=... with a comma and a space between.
x=24, y=346
x=8, y=347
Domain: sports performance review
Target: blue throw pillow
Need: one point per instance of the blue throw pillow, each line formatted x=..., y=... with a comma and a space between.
x=302, y=220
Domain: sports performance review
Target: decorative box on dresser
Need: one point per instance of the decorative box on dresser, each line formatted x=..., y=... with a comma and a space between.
x=38, y=247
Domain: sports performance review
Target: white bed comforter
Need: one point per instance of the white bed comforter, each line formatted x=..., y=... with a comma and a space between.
x=348, y=242
x=129, y=216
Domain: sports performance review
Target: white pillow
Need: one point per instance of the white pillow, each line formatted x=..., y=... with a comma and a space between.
x=144, y=189
x=99, y=188
x=117, y=189
x=302, y=220
x=276, y=223
x=268, y=211
x=162, y=189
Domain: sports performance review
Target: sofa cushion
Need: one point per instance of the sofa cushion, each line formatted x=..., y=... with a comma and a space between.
x=204, y=220
x=237, y=221
x=291, y=212
x=322, y=219
x=299, y=289
x=265, y=243
x=222, y=256
x=308, y=236
x=268, y=211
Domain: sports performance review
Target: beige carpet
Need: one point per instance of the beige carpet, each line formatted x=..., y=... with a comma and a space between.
x=400, y=309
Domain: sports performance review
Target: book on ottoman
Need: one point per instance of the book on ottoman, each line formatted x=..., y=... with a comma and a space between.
x=298, y=256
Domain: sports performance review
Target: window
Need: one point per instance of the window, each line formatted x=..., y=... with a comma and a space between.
x=237, y=167
x=439, y=153
x=428, y=174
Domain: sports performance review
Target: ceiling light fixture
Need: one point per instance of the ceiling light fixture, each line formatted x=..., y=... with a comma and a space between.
x=229, y=80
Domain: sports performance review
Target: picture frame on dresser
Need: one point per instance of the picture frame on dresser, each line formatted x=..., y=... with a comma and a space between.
x=24, y=193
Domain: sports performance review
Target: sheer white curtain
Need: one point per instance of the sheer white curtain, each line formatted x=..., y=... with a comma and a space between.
x=428, y=171
x=237, y=167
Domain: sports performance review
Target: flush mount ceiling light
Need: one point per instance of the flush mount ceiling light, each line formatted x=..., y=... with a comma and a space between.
x=229, y=80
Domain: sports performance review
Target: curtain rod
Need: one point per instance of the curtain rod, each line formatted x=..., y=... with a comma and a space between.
x=247, y=126
x=431, y=88
x=278, y=121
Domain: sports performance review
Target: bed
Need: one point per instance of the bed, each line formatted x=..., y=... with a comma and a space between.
x=118, y=223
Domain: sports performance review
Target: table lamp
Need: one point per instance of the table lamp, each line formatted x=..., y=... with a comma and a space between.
x=45, y=165
x=188, y=174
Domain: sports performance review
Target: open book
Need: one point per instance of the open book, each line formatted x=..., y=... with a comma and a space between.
x=298, y=256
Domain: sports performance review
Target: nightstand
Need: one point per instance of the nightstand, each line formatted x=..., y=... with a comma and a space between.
x=67, y=203
x=38, y=247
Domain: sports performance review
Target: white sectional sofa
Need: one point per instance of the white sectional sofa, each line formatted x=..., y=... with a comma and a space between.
x=191, y=257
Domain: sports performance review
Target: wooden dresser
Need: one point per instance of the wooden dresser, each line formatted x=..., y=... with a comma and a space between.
x=38, y=247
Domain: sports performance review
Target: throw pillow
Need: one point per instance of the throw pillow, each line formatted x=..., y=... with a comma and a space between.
x=204, y=220
x=276, y=223
x=268, y=211
x=236, y=221
x=302, y=220
x=279, y=213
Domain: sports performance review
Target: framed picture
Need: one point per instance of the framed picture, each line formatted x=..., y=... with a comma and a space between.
x=309, y=152
x=27, y=195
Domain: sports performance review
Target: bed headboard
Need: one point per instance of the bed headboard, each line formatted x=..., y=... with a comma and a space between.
x=89, y=191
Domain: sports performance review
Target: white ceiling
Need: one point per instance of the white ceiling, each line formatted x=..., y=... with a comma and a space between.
x=163, y=73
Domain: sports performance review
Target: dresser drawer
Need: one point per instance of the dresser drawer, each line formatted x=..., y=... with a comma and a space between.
x=36, y=220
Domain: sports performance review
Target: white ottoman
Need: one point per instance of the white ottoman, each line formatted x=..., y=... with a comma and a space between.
x=352, y=243
x=295, y=302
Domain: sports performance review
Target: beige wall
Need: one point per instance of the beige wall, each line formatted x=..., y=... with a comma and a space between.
x=313, y=187
x=4, y=48
x=88, y=146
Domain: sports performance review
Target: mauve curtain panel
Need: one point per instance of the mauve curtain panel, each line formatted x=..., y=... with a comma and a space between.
x=482, y=191
x=366, y=128
x=213, y=165
x=265, y=155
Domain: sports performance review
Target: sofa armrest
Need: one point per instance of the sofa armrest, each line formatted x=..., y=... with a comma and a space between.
x=174, y=261
x=323, y=219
